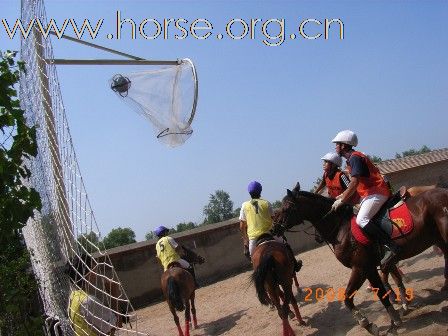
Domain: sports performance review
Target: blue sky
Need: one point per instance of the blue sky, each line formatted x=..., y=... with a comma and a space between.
x=264, y=113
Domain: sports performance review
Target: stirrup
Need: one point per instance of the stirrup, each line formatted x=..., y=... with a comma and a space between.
x=388, y=259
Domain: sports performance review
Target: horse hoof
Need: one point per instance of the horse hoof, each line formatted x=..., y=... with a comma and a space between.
x=392, y=330
x=373, y=329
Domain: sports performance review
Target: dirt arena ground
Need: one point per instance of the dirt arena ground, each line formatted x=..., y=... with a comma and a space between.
x=230, y=307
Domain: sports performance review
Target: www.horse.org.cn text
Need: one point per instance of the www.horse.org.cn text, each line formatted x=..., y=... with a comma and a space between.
x=271, y=32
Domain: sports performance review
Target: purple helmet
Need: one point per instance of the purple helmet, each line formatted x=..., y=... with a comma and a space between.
x=160, y=230
x=254, y=187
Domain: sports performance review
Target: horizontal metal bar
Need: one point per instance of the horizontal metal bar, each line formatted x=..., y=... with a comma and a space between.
x=97, y=46
x=111, y=62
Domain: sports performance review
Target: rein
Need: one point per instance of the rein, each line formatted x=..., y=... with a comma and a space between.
x=324, y=217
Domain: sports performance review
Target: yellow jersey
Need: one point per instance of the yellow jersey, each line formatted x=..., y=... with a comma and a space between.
x=80, y=326
x=258, y=214
x=165, y=252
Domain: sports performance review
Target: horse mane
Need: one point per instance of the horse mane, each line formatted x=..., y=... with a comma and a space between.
x=315, y=197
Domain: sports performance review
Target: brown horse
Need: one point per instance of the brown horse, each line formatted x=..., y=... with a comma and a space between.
x=429, y=211
x=273, y=277
x=179, y=290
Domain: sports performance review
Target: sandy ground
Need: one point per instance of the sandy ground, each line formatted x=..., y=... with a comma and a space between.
x=230, y=307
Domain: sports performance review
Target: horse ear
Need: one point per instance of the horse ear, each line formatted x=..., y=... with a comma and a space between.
x=297, y=187
x=289, y=193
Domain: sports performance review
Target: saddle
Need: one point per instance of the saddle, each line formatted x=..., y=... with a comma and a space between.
x=174, y=264
x=393, y=217
x=265, y=237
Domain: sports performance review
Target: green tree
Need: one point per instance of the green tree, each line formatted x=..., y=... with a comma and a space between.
x=219, y=208
x=86, y=241
x=316, y=184
x=277, y=204
x=375, y=159
x=119, y=237
x=150, y=235
x=412, y=151
x=185, y=226
x=18, y=287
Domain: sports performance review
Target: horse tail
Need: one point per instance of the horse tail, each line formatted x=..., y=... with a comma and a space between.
x=266, y=266
x=174, y=297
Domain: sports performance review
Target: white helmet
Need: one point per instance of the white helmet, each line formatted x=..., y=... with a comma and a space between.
x=347, y=137
x=334, y=158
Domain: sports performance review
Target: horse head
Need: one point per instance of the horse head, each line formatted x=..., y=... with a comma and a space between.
x=298, y=206
x=192, y=257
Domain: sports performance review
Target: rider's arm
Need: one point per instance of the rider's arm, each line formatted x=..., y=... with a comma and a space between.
x=243, y=229
x=351, y=189
x=320, y=186
x=176, y=246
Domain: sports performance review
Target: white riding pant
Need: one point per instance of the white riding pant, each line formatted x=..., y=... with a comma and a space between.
x=183, y=263
x=253, y=241
x=369, y=206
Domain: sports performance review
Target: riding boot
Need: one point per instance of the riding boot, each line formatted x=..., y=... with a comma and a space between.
x=376, y=233
x=191, y=270
x=297, y=263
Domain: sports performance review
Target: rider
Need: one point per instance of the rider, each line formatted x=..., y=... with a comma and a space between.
x=256, y=220
x=371, y=187
x=334, y=179
x=86, y=313
x=168, y=252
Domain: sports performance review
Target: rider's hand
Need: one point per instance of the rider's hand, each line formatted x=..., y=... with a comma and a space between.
x=337, y=204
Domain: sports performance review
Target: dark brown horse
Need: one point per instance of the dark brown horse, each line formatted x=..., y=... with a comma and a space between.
x=273, y=277
x=429, y=211
x=179, y=290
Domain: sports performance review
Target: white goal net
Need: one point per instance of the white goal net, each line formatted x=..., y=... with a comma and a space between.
x=65, y=230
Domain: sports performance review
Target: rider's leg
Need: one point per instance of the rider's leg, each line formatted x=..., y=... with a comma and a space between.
x=370, y=205
x=297, y=263
x=186, y=265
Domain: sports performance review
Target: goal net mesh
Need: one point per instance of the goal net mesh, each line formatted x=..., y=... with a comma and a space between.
x=166, y=96
x=65, y=229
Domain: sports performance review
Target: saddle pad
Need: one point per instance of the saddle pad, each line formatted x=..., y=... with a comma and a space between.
x=400, y=215
x=403, y=219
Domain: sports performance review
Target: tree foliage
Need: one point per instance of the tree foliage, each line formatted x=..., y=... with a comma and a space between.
x=412, y=151
x=18, y=287
x=375, y=159
x=219, y=208
x=179, y=228
x=89, y=241
x=119, y=237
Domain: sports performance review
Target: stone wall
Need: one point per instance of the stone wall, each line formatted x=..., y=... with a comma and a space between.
x=220, y=243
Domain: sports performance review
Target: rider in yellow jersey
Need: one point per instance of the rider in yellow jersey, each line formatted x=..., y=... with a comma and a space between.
x=87, y=315
x=256, y=220
x=169, y=251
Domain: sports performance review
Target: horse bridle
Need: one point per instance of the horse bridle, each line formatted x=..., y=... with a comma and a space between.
x=336, y=227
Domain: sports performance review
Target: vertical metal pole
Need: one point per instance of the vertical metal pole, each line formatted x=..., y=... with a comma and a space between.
x=62, y=203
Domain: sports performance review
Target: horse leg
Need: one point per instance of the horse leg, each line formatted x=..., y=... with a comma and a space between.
x=383, y=295
x=398, y=279
x=176, y=320
x=187, y=318
x=357, y=278
x=193, y=311
x=442, y=223
x=282, y=309
x=296, y=283
x=384, y=276
x=444, y=248
x=296, y=310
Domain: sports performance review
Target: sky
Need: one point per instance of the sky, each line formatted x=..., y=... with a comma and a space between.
x=265, y=113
